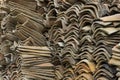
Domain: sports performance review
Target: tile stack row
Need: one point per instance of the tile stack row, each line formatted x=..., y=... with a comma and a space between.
x=24, y=51
x=82, y=38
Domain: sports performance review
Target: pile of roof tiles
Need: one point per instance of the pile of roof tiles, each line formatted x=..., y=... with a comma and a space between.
x=60, y=39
